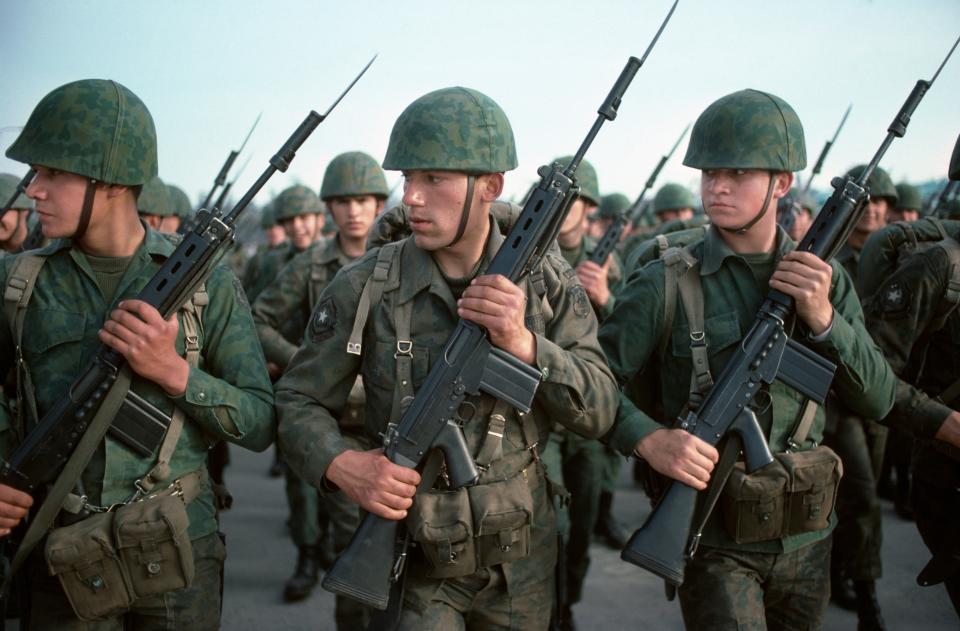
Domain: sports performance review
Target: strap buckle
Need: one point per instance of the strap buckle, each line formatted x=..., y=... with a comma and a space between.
x=697, y=337
x=404, y=349
x=354, y=347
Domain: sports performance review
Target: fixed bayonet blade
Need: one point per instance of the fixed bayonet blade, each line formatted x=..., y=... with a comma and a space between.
x=349, y=87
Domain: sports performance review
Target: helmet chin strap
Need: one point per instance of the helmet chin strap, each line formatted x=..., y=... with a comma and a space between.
x=86, y=210
x=465, y=213
x=763, y=211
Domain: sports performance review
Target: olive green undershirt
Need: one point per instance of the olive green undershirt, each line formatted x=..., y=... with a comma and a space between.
x=762, y=264
x=108, y=272
x=572, y=255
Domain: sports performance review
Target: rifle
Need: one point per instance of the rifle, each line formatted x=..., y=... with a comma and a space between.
x=222, y=199
x=823, y=153
x=222, y=175
x=39, y=458
x=20, y=190
x=766, y=353
x=946, y=194
x=468, y=366
x=611, y=237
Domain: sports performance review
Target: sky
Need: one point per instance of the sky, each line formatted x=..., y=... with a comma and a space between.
x=207, y=69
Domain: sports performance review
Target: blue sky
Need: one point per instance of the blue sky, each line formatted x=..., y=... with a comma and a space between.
x=206, y=69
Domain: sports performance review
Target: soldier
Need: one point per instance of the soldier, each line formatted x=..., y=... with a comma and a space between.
x=860, y=442
x=672, y=202
x=453, y=147
x=747, y=145
x=156, y=207
x=914, y=319
x=611, y=207
x=13, y=225
x=908, y=206
x=354, y=188
x=182, y=209
x=795, y=214
x=93, y=145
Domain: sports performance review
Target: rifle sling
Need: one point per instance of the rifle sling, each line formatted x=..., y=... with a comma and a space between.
x=72, y=470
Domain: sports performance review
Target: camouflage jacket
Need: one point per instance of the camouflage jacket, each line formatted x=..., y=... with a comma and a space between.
x=263, y=267
x=898, y=316
x=577, y=390
x=283, y=308
x=732, y=296
x=229, y=388
x=614, y=274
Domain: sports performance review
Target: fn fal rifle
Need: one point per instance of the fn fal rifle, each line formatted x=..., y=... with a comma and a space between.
x=20, y=190
x=611, y=237
x=43, y=452
x=664, y=543
x=468, y=365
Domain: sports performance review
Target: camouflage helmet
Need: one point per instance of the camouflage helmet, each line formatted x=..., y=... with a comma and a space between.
x=453, y=129
x=295, y=201
x=749, y=129
x=179, y=202
x=612, y=206
x=909, y=197
x=672, y=197
x=155, y=199
x=95, y=128
x=8, y=185
x=587, y=179
x=353, y=173
x=267, y=218
x=879, y=184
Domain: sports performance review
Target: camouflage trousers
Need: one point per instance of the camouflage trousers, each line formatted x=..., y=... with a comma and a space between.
x=481, y=602
x=196, y=607
x=611, y=470
x=579, y=465
x=730, y=589
x=308, y=516
x=860, y=443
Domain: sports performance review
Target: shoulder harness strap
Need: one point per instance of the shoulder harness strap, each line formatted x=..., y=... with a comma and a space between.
x=20, y=283
x=371, y=294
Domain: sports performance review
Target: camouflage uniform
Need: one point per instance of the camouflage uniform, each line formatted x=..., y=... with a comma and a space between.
x=577, y=389
x=228, y=395
x=898, y=316
x=785, y=581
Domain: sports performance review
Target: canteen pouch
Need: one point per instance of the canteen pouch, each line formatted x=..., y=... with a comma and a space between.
x=86, y=562
x=813, y=481
x=502, y=515
x=753, y=504
x=439, y=521
x=151, y=538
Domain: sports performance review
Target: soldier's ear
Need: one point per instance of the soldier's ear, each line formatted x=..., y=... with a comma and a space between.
x=490, y=186
x=783, y=182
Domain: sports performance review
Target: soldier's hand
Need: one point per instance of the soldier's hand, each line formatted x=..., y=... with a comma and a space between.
x=806, y=278
x=680, y=455
x=949, y=431
x=376, y=484
x=496, y=304
x=593, y=277
x=138, y=332
x=14, y=506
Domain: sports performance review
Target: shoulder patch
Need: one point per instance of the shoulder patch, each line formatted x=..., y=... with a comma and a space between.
x=324, y=320
x=581, y=303
x=240, y=293
x=894, y=298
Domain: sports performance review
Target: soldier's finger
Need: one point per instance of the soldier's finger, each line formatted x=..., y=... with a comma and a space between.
x=403, y=474
x=808, y=259
x=709, y=451
x=493, y=294
x=480, y=305
x=792, y=279
x=146, y=312
x=496, y=281
x=113, y=342
x=485, y=320
x=16, y=497
x=9, y=511
x=7, y=522
x=382, y=510
x=129, y=321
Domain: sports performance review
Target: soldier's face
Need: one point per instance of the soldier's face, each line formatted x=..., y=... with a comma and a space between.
x=355, y=214
x=435, y=201
x=874, y=215
x=733, y=197
x=902, y=214
x=13, y=226
x=59, y=201
x=675, y=213
x=599, y=226
x=301, y=230
x=801, y=224
x=575, y=223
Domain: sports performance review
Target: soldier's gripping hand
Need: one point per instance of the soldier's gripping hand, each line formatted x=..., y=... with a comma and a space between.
x=593, y=277
x=372, y=481
x=147, y=341
x=680, y=455
x=14, y=506
x=806, y=278
x=496, y=304
x=949, y=431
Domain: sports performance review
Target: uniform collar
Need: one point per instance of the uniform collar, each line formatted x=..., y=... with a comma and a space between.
x=420, y=271
x=715, y=249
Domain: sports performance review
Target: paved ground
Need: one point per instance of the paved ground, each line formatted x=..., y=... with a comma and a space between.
x=617, y=594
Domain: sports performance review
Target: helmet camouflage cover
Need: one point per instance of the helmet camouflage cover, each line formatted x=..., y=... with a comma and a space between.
x=749, y=129
x=452, y=129
x=586, y=177
x=179, y=202
x=267, y=218
x=879, y=184
x=294, y=201
x=909, y=197
x=94, y=128
x=155, y=199
x=671, y=197
x=8, y=184
x=353, y=173
x=613, y=205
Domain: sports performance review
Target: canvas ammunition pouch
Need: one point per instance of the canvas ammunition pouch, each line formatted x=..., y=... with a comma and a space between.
x=792, y=495
x=474, y=527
